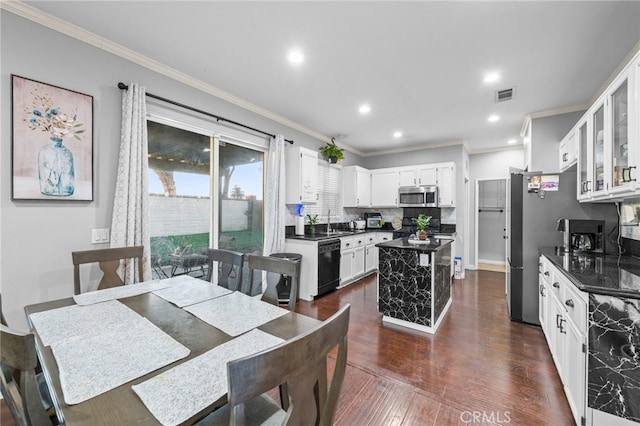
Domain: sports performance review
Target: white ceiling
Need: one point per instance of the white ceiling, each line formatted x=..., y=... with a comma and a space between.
x=420, y=65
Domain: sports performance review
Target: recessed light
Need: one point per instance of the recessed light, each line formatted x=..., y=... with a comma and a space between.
x=493, y=118
x=295, y=56
x=491, y=77
x=364, y=109
x=512, y=141
x=397, y=134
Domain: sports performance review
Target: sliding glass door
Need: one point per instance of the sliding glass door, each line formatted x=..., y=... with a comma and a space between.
x=204, y=191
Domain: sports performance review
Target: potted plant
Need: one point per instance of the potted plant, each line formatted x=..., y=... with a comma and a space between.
x=312, y=219
x=422, y=222
x=332, y=152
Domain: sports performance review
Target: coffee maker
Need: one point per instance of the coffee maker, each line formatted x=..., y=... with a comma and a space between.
x=582, y=235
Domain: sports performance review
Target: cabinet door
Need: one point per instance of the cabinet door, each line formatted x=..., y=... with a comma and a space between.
x=427, y=175
x=408, y=176
x=543, y=300
x=574, y=371
x=358, y=261
x=446, y=186
x=309, y=176
x=384, y=188
x=568, y=150
x=598, y=137
x=556, y=321
x=346, y=265
x=370, y=258
x=585, y=161
x=363, y=188
x=621, y=166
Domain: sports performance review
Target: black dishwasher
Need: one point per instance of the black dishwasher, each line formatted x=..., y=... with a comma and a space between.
x=328, y=265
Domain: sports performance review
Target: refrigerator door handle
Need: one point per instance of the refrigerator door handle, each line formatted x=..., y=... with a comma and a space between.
x=511, y=265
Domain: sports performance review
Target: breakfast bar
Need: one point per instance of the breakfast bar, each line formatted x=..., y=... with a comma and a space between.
x=414, y=282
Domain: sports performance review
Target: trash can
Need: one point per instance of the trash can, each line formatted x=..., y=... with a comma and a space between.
x=283, y=281
x=457, y=268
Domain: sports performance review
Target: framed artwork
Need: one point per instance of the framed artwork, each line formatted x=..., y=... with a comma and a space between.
x=52, y=142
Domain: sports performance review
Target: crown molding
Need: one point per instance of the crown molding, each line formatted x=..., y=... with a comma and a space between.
x=417, y=148
x=36, y=15
x=518, y=147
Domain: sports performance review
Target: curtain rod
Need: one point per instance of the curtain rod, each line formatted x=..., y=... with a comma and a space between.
x=123, y=86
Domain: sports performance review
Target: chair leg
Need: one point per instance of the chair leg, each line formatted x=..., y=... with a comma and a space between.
x=284, y=396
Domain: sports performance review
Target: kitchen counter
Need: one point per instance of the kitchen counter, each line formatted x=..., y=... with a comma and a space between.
x=319, y=236
x=431, y=244
x=609, y=275
x=414, y=283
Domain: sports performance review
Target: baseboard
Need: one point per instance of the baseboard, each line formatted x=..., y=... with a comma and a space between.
x=489, y=265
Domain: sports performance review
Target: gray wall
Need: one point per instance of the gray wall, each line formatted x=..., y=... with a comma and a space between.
x=37, y=237
x=546, y=134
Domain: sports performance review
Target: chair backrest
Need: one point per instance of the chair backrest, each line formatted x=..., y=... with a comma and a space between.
x=18, y=381
x=230, y=264
x=3, y=321
x=109, y=261
x=281, y=266
x=301, y=362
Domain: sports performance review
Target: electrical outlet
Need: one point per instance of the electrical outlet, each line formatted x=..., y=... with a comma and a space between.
x=100, y=236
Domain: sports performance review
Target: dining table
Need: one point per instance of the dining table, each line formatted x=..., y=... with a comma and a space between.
x=153, y=354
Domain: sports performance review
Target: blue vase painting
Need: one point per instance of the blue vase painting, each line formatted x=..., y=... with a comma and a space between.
x=55, y=169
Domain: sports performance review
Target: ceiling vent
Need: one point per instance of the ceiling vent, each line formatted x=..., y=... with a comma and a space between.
x=505, y=95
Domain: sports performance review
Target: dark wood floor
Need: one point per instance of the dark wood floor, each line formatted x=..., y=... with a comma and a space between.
x=479, y=368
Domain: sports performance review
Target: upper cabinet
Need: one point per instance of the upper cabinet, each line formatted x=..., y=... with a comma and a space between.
x=301, y=166
x=446, y=181
x=568, y=151
x=418, y=175
x=384, y=187
x=356, y=187
x=608, y=140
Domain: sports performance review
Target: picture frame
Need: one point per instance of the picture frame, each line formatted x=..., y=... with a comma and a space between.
x=51, y=143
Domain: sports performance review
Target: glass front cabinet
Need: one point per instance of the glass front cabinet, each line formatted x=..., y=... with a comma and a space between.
x=608, y=141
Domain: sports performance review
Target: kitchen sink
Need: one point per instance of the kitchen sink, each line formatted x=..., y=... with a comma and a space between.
x=336, y=233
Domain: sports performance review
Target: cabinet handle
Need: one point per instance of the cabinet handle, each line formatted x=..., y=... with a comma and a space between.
x=357, y=200
x=353, y=255
x=570, y=303
x=587, y=189
x=546, y=273
x=347, y=244
x=564, y=157
x=626, y=174
x=317, y=197
x=359, y=241
x=558, y=318
x=562, y=330
x=542, y=291
x=556, y=284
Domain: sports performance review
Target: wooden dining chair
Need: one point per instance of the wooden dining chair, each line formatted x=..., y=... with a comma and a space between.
x=302, y=363
x=230, y=264
x=109, y=260
x=280, y=266
x=18, y=383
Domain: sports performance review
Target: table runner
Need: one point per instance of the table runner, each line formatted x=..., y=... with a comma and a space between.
x=191, y=292
x=90, y=365
x=74, y=321
x=179, y=393
x=235, y=313
x=120, y=292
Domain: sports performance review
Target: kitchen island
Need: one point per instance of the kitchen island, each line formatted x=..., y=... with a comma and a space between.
x=414, y=282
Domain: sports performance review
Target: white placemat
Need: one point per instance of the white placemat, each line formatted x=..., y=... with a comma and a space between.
x=179, y=393
x=94, y=364
x=119, y=292
x=191, y=292
x=75, y=321
x=235, y=313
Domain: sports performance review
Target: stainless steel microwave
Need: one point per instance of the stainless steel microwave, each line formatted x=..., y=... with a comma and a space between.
x=418, y=196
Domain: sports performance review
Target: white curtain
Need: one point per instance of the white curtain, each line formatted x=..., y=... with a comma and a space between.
x=130, y=219
x=274, y=209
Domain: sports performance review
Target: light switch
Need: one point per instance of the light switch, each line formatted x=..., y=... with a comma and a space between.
x=99, y=236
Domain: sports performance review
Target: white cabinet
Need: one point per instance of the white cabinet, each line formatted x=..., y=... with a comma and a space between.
x=568, y=150
x=352, y=257
x=356, y=187
x=370, y=252
x=407, y=176
x=446, y=181
x=302, y=175
x=384, y=187
x=607, y=137
x=418, y=175
x=563, y=316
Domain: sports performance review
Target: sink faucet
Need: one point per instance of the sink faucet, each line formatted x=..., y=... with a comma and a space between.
x=329, y=221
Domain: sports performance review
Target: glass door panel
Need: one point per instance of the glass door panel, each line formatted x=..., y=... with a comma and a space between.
x=584, y=159
x=620, y=136
x=179, y=200
x=598, y=149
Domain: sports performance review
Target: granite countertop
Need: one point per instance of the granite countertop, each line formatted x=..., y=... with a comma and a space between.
x=434, y=244
x=319, y=236
x=613, y=275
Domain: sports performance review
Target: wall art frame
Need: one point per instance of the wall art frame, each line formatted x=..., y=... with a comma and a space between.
x=51, y=142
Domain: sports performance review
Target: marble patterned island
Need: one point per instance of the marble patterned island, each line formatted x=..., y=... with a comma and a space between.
x=414, y=282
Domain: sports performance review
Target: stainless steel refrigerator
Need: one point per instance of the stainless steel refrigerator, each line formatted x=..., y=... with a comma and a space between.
x=532, y=224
